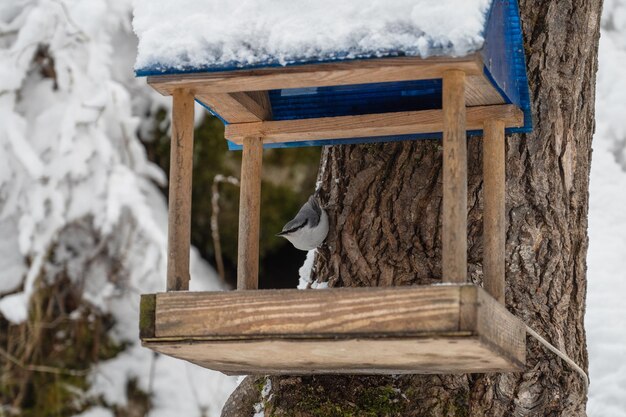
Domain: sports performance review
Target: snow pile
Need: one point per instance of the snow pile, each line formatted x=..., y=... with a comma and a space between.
x=606, y=274
x=77, y=193
x=259, y=408
x=69, y=150
x=305, y=270
x=305, y=282
x=203, y=34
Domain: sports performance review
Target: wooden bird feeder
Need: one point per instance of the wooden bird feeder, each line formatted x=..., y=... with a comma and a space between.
x=458, y=327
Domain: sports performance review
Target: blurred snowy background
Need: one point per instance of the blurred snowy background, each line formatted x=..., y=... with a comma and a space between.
x=79, y=205
x=82, y=221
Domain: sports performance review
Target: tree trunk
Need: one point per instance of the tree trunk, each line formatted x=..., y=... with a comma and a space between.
x=384, y=202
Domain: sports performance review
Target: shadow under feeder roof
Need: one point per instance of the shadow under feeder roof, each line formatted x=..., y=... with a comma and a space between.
x=347, y=97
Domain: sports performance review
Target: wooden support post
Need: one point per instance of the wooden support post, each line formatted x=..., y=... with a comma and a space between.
x=454, y=237
x=494, y=230
x=179, y=218
x=249, y=214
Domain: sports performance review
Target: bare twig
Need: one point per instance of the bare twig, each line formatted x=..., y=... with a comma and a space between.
x=9, y=33
x=80, y=34
x=42, y=368
x=215, y=209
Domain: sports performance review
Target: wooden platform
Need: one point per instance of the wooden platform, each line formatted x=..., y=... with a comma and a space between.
x=432, y=329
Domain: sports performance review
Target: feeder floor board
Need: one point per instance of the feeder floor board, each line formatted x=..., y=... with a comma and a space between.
x=417, y=329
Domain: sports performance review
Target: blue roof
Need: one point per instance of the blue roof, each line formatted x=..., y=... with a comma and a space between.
x=505, y=68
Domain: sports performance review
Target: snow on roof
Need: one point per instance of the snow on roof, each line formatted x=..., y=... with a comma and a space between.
x=196, y=35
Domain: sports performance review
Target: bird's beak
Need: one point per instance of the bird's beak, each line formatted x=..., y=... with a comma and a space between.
x=281, y=234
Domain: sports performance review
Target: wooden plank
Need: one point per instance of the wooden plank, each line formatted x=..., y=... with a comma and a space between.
x=494, y=222
x=241, y=107
x=254, y=106
x=249, y=214
x=147, y=315
x=428, y=355
x=480, y=92
x=318, y=75
x=293, y=313
x=227, y=107
x=429, y=329
x=454, y=221
x=499, y=329
x=384, y=124
x=179, y=216
x=258, y=102
x=485, y=316
x=468, y=306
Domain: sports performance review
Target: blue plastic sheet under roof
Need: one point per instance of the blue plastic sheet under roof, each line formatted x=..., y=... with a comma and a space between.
x=505, y=68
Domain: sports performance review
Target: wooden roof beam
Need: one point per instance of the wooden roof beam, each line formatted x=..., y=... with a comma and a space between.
x=362, y=71
x=239, y=107
x=384, y=124
x=254, y=106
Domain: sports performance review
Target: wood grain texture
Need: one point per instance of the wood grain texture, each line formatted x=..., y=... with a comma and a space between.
x=317, y=75
x=494, y=222
x=179, y=215
x=428, y=355
x=357, y=311
x=481, y=314
x=241, y=107
x=249, y=214
x=255, y=106
x=507, y=337
x=454, y=217
x=147, y=317
x=258, y=102
x=480, y=92
x=428, y=329
x=384, y=124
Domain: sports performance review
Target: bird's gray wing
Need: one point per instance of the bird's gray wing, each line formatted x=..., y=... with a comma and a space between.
x=295, y=224
x=309, y=214
x=312, y=211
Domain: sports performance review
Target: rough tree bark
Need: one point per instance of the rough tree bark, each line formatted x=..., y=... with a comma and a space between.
x=384, y=201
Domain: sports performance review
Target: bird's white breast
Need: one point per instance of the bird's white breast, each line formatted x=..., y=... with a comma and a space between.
x=309, y=238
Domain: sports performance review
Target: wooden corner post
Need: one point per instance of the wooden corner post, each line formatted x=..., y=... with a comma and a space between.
x=494, y=230
x=249, y=214
x=179, y=216
x=454, y=237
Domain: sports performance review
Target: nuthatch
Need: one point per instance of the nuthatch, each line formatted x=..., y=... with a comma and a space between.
x=309, y=228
